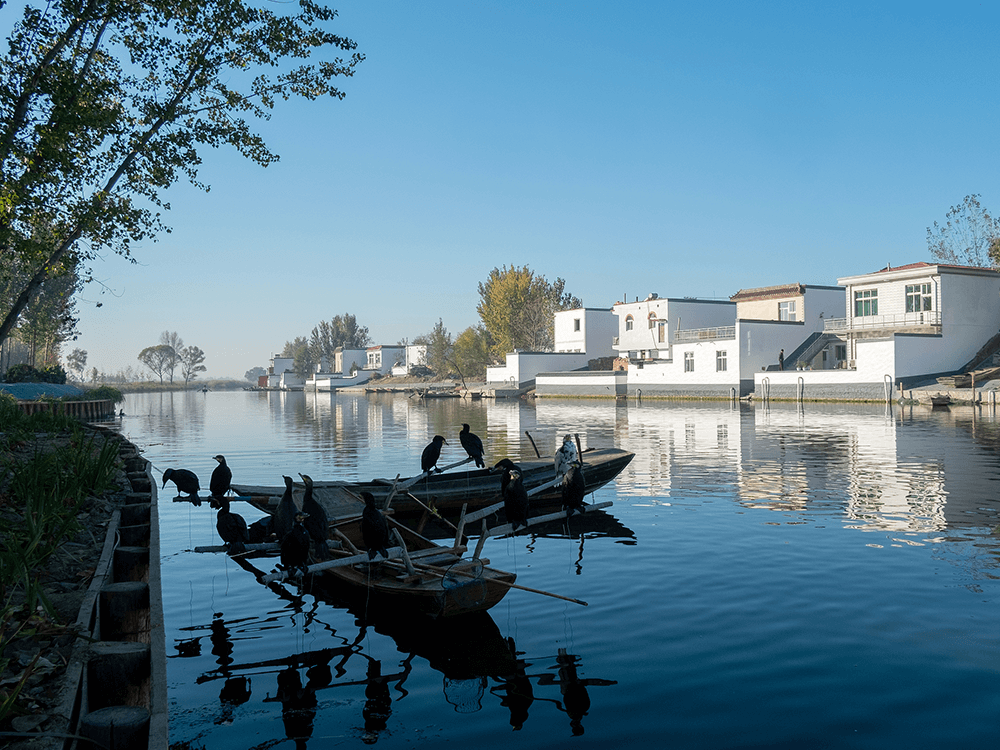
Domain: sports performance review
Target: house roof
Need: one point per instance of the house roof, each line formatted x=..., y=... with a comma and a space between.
x=768, y=292
x=923, y=264
x=915, y=270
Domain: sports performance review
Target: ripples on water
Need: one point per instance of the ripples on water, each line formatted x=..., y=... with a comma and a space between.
x=808, y=576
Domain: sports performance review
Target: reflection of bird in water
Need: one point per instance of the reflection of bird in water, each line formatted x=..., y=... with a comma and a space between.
x=186, y=481
x=431, y=454
x=284, y=515
x=515, y=500
x=295, y=548
x=222, y=477
x=298, y=706
x=260, y=530
x=374, y=528
x=575, y=696
x=231, y=526
x=518, y=693
x=574, y=488
x=566, y=455
x=473, y=445
x=316, y=521
x=378, y=702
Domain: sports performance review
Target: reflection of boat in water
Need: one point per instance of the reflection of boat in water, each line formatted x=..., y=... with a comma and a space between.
x=449, y=491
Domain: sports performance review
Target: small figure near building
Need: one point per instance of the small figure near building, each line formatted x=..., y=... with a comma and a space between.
x=781, y=360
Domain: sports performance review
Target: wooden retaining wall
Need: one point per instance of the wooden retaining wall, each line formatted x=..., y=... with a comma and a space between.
x=83, y=410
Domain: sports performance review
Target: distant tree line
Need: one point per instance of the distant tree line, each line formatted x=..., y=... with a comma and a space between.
x=324, y=340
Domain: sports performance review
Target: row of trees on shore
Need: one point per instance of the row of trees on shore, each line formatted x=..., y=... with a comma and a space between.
x=170, y=355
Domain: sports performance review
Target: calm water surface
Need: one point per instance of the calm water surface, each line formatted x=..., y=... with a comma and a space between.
x=817, y=576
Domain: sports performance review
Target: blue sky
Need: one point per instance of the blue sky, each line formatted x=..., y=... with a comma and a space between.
x=687, y=149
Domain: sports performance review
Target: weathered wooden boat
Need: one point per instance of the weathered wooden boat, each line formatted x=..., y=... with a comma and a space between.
x=419, y=574
x=447, y=492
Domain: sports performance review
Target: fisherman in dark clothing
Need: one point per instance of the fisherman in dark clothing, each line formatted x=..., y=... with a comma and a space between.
x=781, y=360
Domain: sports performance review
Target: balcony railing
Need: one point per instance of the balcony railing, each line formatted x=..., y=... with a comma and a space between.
x=884, y=322
x=705, y=334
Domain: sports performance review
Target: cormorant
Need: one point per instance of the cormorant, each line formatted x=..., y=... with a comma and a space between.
x=231, y=526
x=473, y=445
x=515, y=500
x=284, y=516
x=566, y=455
x=185, y=480
x=431, y=454
x=260, y=530
x=222, y=476
x=316, y=523
x=503, y=465
x=574, y=487
x=374, y=528
x=295, y=547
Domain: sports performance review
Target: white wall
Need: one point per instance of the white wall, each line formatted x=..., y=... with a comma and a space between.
x=679, y=314
x=598, y=327
x=524, y=366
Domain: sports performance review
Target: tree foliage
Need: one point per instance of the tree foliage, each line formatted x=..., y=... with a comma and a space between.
x=472, y=352
x=254, y=373
x=77, y=362
x=439, y=348
x=517, y=308
x=156, y=358
x=191, y=359
x=104, y=105
x=176, y=344
x=970, y=236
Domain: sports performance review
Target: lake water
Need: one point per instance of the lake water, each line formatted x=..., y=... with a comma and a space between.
x=783, y=577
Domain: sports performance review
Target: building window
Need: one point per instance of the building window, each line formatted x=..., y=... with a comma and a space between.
x=652, y=320
x=576, y=325
x=840, y=352
x=786, y=310
x=720, y=361
x=661, y=332
x=629, y=322
x=688, y=361
x=918, y=297
x=866, y=303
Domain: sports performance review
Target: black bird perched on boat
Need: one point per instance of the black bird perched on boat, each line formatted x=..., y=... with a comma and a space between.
x=186, y=481
x=566, y=455
x=431, y=454
x=473, y=445
x=574, y=488
x=503, y=465
x=260, y=530
x=222, y=477
x=515, y=499
x=284, y=515
x=316, y=522
x=231, y=526
x=295, y=547
x=374, y=528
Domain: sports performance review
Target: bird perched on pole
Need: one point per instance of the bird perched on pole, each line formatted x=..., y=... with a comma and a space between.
x=473, y=445
x=284, y=514
x=295, y=547
x=186, y=481
x=565, y=456
x=374, y=529
x=316, y=522
x=431, y=454
x=222, y=477
x=515, y=500
x=231, y=526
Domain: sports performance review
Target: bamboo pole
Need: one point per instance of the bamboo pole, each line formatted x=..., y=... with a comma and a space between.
x=255, y=547
x=508, y=584
x=413, y=480
x=537, y=454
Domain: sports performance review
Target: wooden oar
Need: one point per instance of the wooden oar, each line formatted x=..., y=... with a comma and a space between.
x=254, y=547
x=444, y=571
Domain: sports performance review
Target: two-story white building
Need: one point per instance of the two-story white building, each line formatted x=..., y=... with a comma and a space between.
x=589, y=330
x=382, y=358
x=901, y=327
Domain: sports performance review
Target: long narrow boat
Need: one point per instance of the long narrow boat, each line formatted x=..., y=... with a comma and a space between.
x=449, y=491
x=437, y=581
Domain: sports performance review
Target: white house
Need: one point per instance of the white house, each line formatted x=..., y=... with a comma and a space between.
x=587, y=329
x=415, y=355
x=279, y=366
x=382, y=358
x=900, y=326
x=648, y=328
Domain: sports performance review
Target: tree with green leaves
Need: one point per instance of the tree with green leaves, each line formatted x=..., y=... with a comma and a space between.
x=439, y=348
x=517, y=308
x=104, y=105
x=76, y=362
x=970, y=236
x=472, y=352
x=304, y=360
x=156, y=358
x=176, y=344
x=191, y=359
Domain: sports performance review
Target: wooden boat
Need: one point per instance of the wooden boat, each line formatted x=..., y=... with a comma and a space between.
x=449, y=491
x=420, y=574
